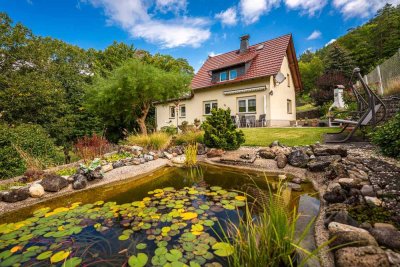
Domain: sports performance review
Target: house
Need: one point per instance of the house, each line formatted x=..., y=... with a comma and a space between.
x=258, y=83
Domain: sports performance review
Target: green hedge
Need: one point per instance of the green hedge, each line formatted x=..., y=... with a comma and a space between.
x=387, y=137
x=33, y=139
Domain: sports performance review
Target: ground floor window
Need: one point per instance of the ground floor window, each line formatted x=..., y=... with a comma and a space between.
x=172, y=112
x=182, y=111
x=289, y=106
x=210, y=105
x=246, y=105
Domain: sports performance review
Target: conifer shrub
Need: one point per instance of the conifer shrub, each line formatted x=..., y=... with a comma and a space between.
x=387, y=137
x=221, y=132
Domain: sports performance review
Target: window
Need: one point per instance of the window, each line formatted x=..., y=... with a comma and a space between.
x=210, y=105
x=232, y=74
x=172, y=112
x=288, y=80
x=247, y=105
x=289, y=106
x=223, y=76
x=182, y=111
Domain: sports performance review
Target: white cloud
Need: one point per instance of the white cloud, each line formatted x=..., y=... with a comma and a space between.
x=252, y=10
x=228, y=17
x=213, y=54
x=330, y=42
x=361, y=8
x=314, y=35
x=134, y=17
x=174, y=6
x=309, y=7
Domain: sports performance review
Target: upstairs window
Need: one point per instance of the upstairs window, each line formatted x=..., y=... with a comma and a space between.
x=171, y=112
x=223, y=76
x=232, y=74
x=210, y=105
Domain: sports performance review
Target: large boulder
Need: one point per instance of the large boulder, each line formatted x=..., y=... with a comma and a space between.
x=281, y=160
x=348, y=183
x=298, y=158
x=340, y=216
x=214, y=152
x=317, y=165
x=106, y=168
x=266, y=153
x=336, y=169
x=352, y=238
x=368, y=256
x=118, y=164
x=36, y=190
x=387, y=237
x=80, y=182
x=53, y=182
x=201, y=149
x=16, y=193
x=330, y=150
x=368, y=191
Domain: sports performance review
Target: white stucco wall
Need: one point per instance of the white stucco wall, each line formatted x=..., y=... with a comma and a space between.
x=276, y=110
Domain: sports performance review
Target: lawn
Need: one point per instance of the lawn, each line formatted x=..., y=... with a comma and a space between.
x=286, y=136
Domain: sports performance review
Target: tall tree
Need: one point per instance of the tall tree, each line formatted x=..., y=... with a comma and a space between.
x=310, y=71
x=338, y=59
x=129, y=91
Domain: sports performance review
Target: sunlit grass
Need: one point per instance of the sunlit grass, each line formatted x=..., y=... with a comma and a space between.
x=156, y=141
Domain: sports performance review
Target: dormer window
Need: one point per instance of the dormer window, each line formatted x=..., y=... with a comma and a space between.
x=223, y=76
x=232, y=74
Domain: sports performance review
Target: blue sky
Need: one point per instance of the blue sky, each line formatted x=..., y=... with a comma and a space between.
x=191, y=29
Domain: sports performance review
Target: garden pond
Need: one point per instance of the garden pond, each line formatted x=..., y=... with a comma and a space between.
x=170, y=217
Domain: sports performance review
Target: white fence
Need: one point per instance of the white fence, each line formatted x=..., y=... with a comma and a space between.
x=383, y=74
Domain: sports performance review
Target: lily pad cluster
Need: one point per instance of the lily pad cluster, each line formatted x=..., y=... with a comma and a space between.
x=168, y=228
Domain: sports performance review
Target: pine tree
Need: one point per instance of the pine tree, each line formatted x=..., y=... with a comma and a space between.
x=338, y=59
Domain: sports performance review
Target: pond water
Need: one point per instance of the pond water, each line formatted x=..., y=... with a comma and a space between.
x=173, y=215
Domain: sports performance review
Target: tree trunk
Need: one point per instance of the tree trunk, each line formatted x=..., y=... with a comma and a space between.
x=141, y=120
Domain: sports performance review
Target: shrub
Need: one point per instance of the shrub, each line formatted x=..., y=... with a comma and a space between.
x=190, y=137
x=90, y=147
x=171, y=130
x=34, y=143
x=387, y=137
x=156, y=141
x=220, y=131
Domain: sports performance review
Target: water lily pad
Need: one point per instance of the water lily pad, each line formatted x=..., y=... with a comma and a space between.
x=59, y=256
x=215, y=188
x=194, y=264
x=72, y=262
x=173, y=255
x=204, y=207
x=229, y=207
x=188, y=237
x=223, y=249
x=158, y=260
x=123, y=237
x=138, y=261
x=240, y=198
x=141, y=246
x=161, y=251
x=44, y=255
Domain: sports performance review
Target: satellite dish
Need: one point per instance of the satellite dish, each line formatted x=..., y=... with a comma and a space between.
x=279, y=78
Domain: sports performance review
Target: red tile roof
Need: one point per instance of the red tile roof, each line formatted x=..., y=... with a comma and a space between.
x=264, y=62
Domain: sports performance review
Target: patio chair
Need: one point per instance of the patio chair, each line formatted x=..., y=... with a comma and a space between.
x=366, y=113
x=261, y=121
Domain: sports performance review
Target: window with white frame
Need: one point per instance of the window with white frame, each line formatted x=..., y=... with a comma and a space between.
x=182, y=111
x=210, y=105
x=247, y=105
x=223, y=76
x=172, y=112
x=232, y=74
x=289, y=106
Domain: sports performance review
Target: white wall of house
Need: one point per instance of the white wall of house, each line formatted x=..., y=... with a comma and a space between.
x=274, y=106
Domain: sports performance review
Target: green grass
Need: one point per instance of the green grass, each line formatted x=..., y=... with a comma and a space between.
x=287, y=136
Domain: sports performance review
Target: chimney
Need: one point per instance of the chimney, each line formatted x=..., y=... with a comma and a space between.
x=244, y=43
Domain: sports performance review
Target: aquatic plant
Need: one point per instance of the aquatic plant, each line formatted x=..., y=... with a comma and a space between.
x=268, y=235
x=156, y=141
x=191, y=155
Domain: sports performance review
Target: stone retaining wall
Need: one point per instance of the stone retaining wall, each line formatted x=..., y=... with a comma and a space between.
x=392, y=105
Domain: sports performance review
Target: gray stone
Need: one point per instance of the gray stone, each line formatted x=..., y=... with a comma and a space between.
x=373, y=201
x=330, y=150
x=348, y=183
x=53, y=182
x=118, y=164
x=16, y=194
x=201, y=149
x=179, y=159
x=295, y=187
x=95, y=174
x=384, y=225
x=387, y=237
x=214, y=152
x=298, y=158
x=368, y=191
x=318, y=165
x=274, y=143
x=341, y=216
x=148, y=157
x=142, y=160
x=36, y=190
x=352, y=238
x=335, y=227
x=297, y=180
x=337, y=195
x=168, y=155
x=281, y=161
x=393, y=257
x=368, y=256
x=80, y=182
x=106, y=168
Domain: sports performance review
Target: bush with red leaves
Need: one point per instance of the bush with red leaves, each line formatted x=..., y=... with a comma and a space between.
x=90, y=147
